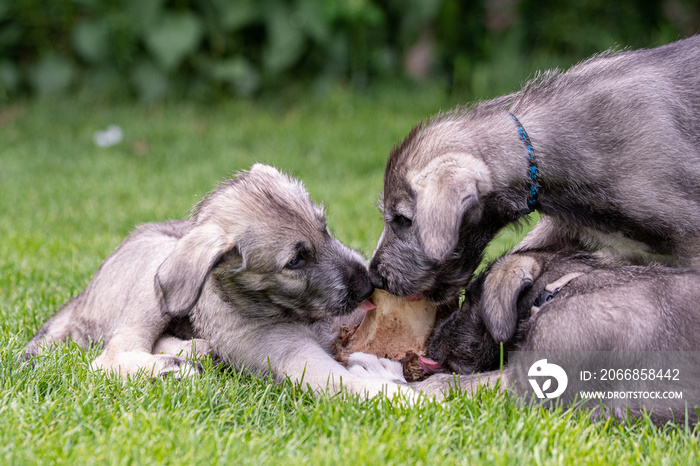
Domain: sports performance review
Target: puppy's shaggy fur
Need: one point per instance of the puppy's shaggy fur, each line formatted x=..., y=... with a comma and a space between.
x=616, y=142
x=257, y=274
x=567, y=301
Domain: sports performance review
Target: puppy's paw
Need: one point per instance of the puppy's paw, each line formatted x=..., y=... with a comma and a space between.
x=178, y=368
x=440, y=385
x=369, y=387
x=436, y=386
x=404, y=395
x=132, y=363
x=170, y=345
x=201, y=347
x=369, y=365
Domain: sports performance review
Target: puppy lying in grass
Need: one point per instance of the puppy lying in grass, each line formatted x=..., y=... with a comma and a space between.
x=540, y=300
x=256, y=277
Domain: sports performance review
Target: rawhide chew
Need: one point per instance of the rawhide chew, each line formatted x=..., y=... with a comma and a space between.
x=396, y=329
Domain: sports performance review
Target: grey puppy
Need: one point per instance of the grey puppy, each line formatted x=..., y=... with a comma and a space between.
x=256, y=272
x=565, y=301
x=615, y=149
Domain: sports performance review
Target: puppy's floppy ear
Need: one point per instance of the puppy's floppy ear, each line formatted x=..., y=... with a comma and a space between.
x=446, y=189
x=180, y=278
x=507, y=280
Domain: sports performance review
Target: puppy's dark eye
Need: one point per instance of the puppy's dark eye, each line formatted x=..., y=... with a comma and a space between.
x=297, y=263
x=401, y=221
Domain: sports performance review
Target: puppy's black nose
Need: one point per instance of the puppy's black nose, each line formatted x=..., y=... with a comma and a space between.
x=377, y=281
x=359, y=284
x=365, y=293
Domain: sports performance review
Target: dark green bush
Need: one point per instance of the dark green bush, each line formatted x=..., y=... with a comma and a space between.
x=198, y=48
x=207, y=48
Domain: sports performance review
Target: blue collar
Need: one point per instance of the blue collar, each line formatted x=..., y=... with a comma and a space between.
x=532, y=172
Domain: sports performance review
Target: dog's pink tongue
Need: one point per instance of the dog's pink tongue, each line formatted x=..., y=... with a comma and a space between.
x=415, y=296
x=429, y=366
x=366, y=305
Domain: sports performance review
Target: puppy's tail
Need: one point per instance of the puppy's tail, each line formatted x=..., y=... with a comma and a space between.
x=55, y=330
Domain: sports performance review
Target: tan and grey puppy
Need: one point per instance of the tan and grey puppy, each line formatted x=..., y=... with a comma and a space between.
x=257, y=274
x=616, y=165
x=540, y=300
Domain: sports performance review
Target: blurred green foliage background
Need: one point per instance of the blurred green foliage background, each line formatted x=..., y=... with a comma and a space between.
x=209, y=49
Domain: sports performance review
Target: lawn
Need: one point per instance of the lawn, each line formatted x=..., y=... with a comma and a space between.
x=65, y=204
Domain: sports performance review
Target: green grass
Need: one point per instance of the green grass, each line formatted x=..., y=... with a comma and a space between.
x=65, y=205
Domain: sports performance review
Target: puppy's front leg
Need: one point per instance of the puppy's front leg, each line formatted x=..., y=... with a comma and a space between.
x=311, y=365
x=439, y=385
x=548, y=232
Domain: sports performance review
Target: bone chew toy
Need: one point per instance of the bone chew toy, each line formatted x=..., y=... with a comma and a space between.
x=396, y=329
